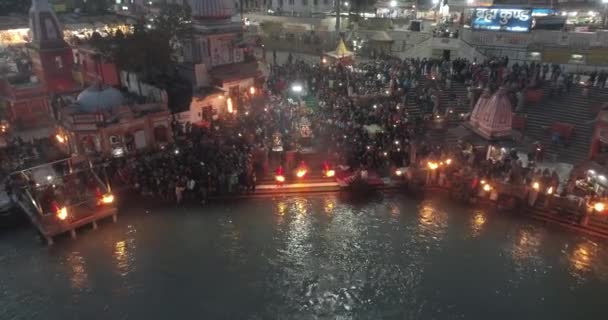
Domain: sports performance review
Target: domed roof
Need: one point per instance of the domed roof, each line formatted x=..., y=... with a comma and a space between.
x=212, y=9
x=96, y=98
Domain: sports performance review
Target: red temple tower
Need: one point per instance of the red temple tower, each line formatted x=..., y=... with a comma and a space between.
x=51, y=55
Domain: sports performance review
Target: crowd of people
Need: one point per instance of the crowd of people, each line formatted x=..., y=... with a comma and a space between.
x=360, y=119
x=371, y=116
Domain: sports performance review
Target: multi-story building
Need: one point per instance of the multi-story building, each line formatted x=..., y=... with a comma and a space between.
x=301, y=7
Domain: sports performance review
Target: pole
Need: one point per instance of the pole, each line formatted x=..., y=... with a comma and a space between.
x=338, y=14
x=241, y=5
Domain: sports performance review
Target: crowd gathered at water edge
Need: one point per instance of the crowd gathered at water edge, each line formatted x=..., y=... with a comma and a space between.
x=230, y=154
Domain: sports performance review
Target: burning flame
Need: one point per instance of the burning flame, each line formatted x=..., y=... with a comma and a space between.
x=433, y=165
x=487, y=187
x=550, y=190
x=301, y=173
x=252, y=90
x=398, y=172
x=280, y=179
x=60, y=138
x=62, y=213
x=229, y=104
x=448, y=161
x=330, y=173
x=108, y=198
x=536, y=186
x=599, y=206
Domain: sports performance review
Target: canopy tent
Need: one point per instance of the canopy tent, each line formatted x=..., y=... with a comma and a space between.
x=341, y=54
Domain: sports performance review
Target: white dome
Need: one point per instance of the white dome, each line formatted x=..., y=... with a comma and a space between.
x=212, y=9
x=97, y=98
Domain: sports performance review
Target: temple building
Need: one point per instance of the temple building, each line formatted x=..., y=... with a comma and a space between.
x=492, y=116
x=50, y=53
x=104, y=121
x=219, y=63
x=43, y=69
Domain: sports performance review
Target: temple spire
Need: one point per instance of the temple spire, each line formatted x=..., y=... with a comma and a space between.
x=44, y=25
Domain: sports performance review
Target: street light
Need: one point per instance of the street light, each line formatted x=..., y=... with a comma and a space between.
x=297, y=88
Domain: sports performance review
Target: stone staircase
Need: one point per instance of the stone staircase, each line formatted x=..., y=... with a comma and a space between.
x=447, y=98
x=572, y=108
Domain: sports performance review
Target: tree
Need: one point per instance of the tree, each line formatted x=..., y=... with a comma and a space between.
x=149, y=51
x=95, y=7
x=174, y=23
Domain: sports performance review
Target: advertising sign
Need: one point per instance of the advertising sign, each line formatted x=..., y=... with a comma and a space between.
x=502, y=19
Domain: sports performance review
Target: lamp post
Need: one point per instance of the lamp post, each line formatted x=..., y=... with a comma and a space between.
x=338, y=4
x=605, y=13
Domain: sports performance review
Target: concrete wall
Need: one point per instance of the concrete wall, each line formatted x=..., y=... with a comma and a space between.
x=519, y=46
x=574, y=40
x=457, y=47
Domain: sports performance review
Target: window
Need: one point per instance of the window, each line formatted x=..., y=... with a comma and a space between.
x=58, y=63
x=114, y=140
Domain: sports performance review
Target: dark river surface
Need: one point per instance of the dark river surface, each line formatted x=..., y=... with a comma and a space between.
x=308, y=257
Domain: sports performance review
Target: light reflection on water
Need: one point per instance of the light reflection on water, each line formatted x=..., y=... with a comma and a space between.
x=319, y=257
x=79, y=276
x=477, y=222
x=584, y=259
x=432, y=222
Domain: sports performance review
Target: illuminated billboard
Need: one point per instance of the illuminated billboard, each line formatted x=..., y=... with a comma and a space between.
x=502, y=19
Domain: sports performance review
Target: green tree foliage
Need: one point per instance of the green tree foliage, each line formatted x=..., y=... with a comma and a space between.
x=174, y=21
x=150, y=51
x=94, y=7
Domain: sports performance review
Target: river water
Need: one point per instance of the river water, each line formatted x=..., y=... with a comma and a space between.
x=308, y=257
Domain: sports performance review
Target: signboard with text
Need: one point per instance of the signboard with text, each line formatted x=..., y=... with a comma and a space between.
x=502, y=19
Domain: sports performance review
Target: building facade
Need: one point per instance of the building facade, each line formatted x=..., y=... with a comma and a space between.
x=302, y=7
x=102, y=121
x=218, y=60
